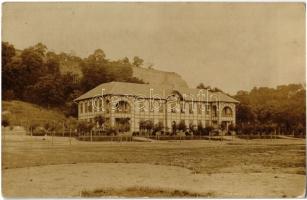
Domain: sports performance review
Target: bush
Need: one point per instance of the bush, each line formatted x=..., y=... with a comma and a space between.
x=193, y=129
x=174, y=128
x=232, y=128
x=9, y=95
x=207, y=130
x=158, y=127
x=147, y=125
x=200, y=128
x=214, y=132
x=33, y=126
x=246, y=129
x=300, y=129
x=39, y=131
x=49, y=127
x=5, y=122
x=111, y=131
x=182, y=126
x=84, y=127
x=100, y=120
x=135, y=133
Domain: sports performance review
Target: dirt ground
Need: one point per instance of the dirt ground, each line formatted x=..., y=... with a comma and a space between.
x=42, y=167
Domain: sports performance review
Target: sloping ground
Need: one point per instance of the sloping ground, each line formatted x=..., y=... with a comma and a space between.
x=14, y=130
x=71, y=180
x=20, y=113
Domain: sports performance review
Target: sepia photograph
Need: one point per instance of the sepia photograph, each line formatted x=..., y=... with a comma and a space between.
x=153, y=100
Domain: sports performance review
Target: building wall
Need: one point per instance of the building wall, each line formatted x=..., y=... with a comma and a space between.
x=204, y=114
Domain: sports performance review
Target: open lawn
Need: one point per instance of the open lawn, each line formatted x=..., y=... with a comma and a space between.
x=38, y=167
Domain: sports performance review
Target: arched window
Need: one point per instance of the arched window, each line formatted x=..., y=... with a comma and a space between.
x=227, y=112
x=107, y=106
x=123, y=107
x=214, y=111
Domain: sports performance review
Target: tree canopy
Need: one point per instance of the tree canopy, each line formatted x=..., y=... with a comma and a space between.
x=34, y=75
x=283, y=106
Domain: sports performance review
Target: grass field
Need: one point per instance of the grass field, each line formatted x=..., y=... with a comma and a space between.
x=21, y=113
x=257, y=168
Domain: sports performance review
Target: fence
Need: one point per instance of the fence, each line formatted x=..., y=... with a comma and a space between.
x=250, y=137
x=130, y=138
x=106, y=138
x=176, y=137
x=66, y=128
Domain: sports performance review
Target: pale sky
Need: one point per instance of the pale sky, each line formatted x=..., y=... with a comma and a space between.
x=226, y=45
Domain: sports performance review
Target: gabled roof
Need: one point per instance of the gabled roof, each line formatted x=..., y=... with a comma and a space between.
x=154, y=91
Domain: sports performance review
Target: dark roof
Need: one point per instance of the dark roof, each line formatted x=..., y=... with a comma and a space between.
x=154, y=91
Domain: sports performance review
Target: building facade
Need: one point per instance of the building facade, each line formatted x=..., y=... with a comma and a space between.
x=126, y=105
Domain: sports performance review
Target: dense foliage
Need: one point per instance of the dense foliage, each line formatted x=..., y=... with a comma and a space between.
x=34, y=75
x=281, y=109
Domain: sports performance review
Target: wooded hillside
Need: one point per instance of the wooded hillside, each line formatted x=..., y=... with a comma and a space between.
x=33, y=75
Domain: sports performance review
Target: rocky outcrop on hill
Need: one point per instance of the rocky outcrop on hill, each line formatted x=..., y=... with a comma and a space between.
x=153, y=76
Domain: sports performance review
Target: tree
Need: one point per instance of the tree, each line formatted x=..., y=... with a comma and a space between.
x=100, y=120
x=182, y=126
x=283, y=106
x=49, y=126
x=52, y=63
x=200, y=128
x=70, y=107
x=245, y=114
x=8, y=52
x=138, y=62
x=207, y=130
x=125, y=60
x=8, y=72
x=174, y=128
x=48, y=91
x=142, y=124
x=158, y=127
x=25, y=70
x=192, y=128
x=5, y=122
x=97, y=56
x=202, y=86
x=216, y=89
x=12, y=79
x=85, y=127
x=94, y=72
x=149, y=125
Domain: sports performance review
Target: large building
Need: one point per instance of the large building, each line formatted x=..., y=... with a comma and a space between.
x=128, y=104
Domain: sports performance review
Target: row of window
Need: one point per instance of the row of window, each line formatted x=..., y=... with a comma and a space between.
x=124, y=107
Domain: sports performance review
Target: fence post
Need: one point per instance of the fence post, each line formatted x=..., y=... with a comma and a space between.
x=271, y=135
x=69, y=135
x=63, y=129
x=91, y=132
x=52, y=137
x=275, y=133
